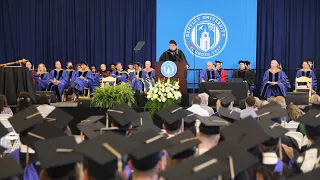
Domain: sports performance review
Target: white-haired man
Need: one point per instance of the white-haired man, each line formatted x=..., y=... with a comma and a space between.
x=204, y=103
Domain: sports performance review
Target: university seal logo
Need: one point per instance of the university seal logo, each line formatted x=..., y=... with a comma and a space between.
x=168, y=69
x=205, y=35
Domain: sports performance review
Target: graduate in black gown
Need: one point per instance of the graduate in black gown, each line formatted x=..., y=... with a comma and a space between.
x=174, y=54
x=246, y=74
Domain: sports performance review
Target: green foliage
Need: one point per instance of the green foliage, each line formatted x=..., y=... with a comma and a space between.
x=155, y=106
x=110, y=96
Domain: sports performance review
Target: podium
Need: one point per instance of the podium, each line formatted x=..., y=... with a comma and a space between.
x=181, y=74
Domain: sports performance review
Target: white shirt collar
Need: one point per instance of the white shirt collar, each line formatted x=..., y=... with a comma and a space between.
x=269, y=158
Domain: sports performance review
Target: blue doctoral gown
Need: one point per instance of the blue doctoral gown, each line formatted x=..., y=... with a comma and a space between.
x=121, y=76
x=137, y=81
x=210, y=76
x=148, y=77
x=70, y=75
x=61, y=76
x=80, y=83
x=279, y=89
x=309, y=74
x=95, y=81
x=43, y=81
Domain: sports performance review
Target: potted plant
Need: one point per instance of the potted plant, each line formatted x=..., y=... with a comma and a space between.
x=163, y=94
x=110, y=96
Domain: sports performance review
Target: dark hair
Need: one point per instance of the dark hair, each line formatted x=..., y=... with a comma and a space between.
x=250, y=101
x=196, y=100
x=172, y=42
x=3, y=102
x=309, y=60
x=24, y=101
x=67, y=172
x=43, y=99
x=118, y=63
x=112, y=64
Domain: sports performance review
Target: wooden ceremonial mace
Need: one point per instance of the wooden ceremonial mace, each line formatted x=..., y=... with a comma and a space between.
x=22, y=61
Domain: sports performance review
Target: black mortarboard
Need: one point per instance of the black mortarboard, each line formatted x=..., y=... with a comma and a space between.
x=9, y=168
x=3, y=131
x=25, y=119
x=247, y=63
x=274, y=131
x=91, y=120
x=172, y=42
x=90, y=130
x=312, y=121
x=149, y=153
x=218, y=61
x=141, y=136
x=122, y=115
x=145, y=122
x=57, y=152
x=184, y=145
x=59, y=118
x=85, y=63
x=137, y=63
x=104, y=153
x=241, y=62
x=246, y=132
x=40, y=132
x=229, y=115
x=172, y=116
x=211, y=125
x=201, y=167
x=226, y=97
x=234, y=155
x=271, y=111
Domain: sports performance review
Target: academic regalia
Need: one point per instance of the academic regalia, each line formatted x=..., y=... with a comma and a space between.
x=95, y=82
x=223, y=75
x=210, y=76
x=137, y=82
x=31, y=170
x=61, y=76
x=43, y=81
x=121, y=76
x=70, y=75
x=247, y=75
x=279, y=89
x=34, y=76
x=104, y=74
x=148, y=77
x=309, y=74
x=78, y=83
x=176, y=55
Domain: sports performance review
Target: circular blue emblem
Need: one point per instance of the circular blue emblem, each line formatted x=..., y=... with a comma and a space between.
x=206, y=35
x=168, y=69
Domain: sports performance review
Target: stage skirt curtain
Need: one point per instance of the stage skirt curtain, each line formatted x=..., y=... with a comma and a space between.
x=287, y=31
x=95, y=31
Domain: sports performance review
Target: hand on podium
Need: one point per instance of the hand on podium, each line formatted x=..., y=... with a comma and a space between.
x=187, y=66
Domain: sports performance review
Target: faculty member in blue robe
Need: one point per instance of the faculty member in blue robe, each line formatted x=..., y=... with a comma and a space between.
x=307, y=72
x=120, y=74
x=96, y=78
x=210, y=75
x=148, y=75
x=83, y=78
x=43, y=78
x=58, y=80
x=275, y=82
x=136, y=78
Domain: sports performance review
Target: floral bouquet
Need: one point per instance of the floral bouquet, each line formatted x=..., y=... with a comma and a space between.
x=163, y=94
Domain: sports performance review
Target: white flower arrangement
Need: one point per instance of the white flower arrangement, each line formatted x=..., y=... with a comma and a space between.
x=164, y=90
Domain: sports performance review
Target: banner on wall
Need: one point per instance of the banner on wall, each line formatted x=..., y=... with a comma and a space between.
x=208, y=30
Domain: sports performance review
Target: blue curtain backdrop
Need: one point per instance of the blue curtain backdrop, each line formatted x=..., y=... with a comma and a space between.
x=96, y=31
x=288, y=31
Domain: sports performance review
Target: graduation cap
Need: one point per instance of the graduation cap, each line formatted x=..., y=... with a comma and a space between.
x=59, y=118
x=104, y=153
x=9, y=168
x=218, y=62
x=57, y=152
x=274, y=131
x=172, y=116
x=90, y=130
x=184, y=145
x=247, y=63
x=25, y=119
x=146, y=122
x=226, y=97
x=148, y=154
x=41, y=131
x=201, y=167
x=211, y=125
x=241, y=62
x=84, y=62
x=141, y=136
x=247, y=133
x=312, y=121
x=272, y=111
x=229, y=115
x=3, y=131
x=122, y=115
x=234, y=155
